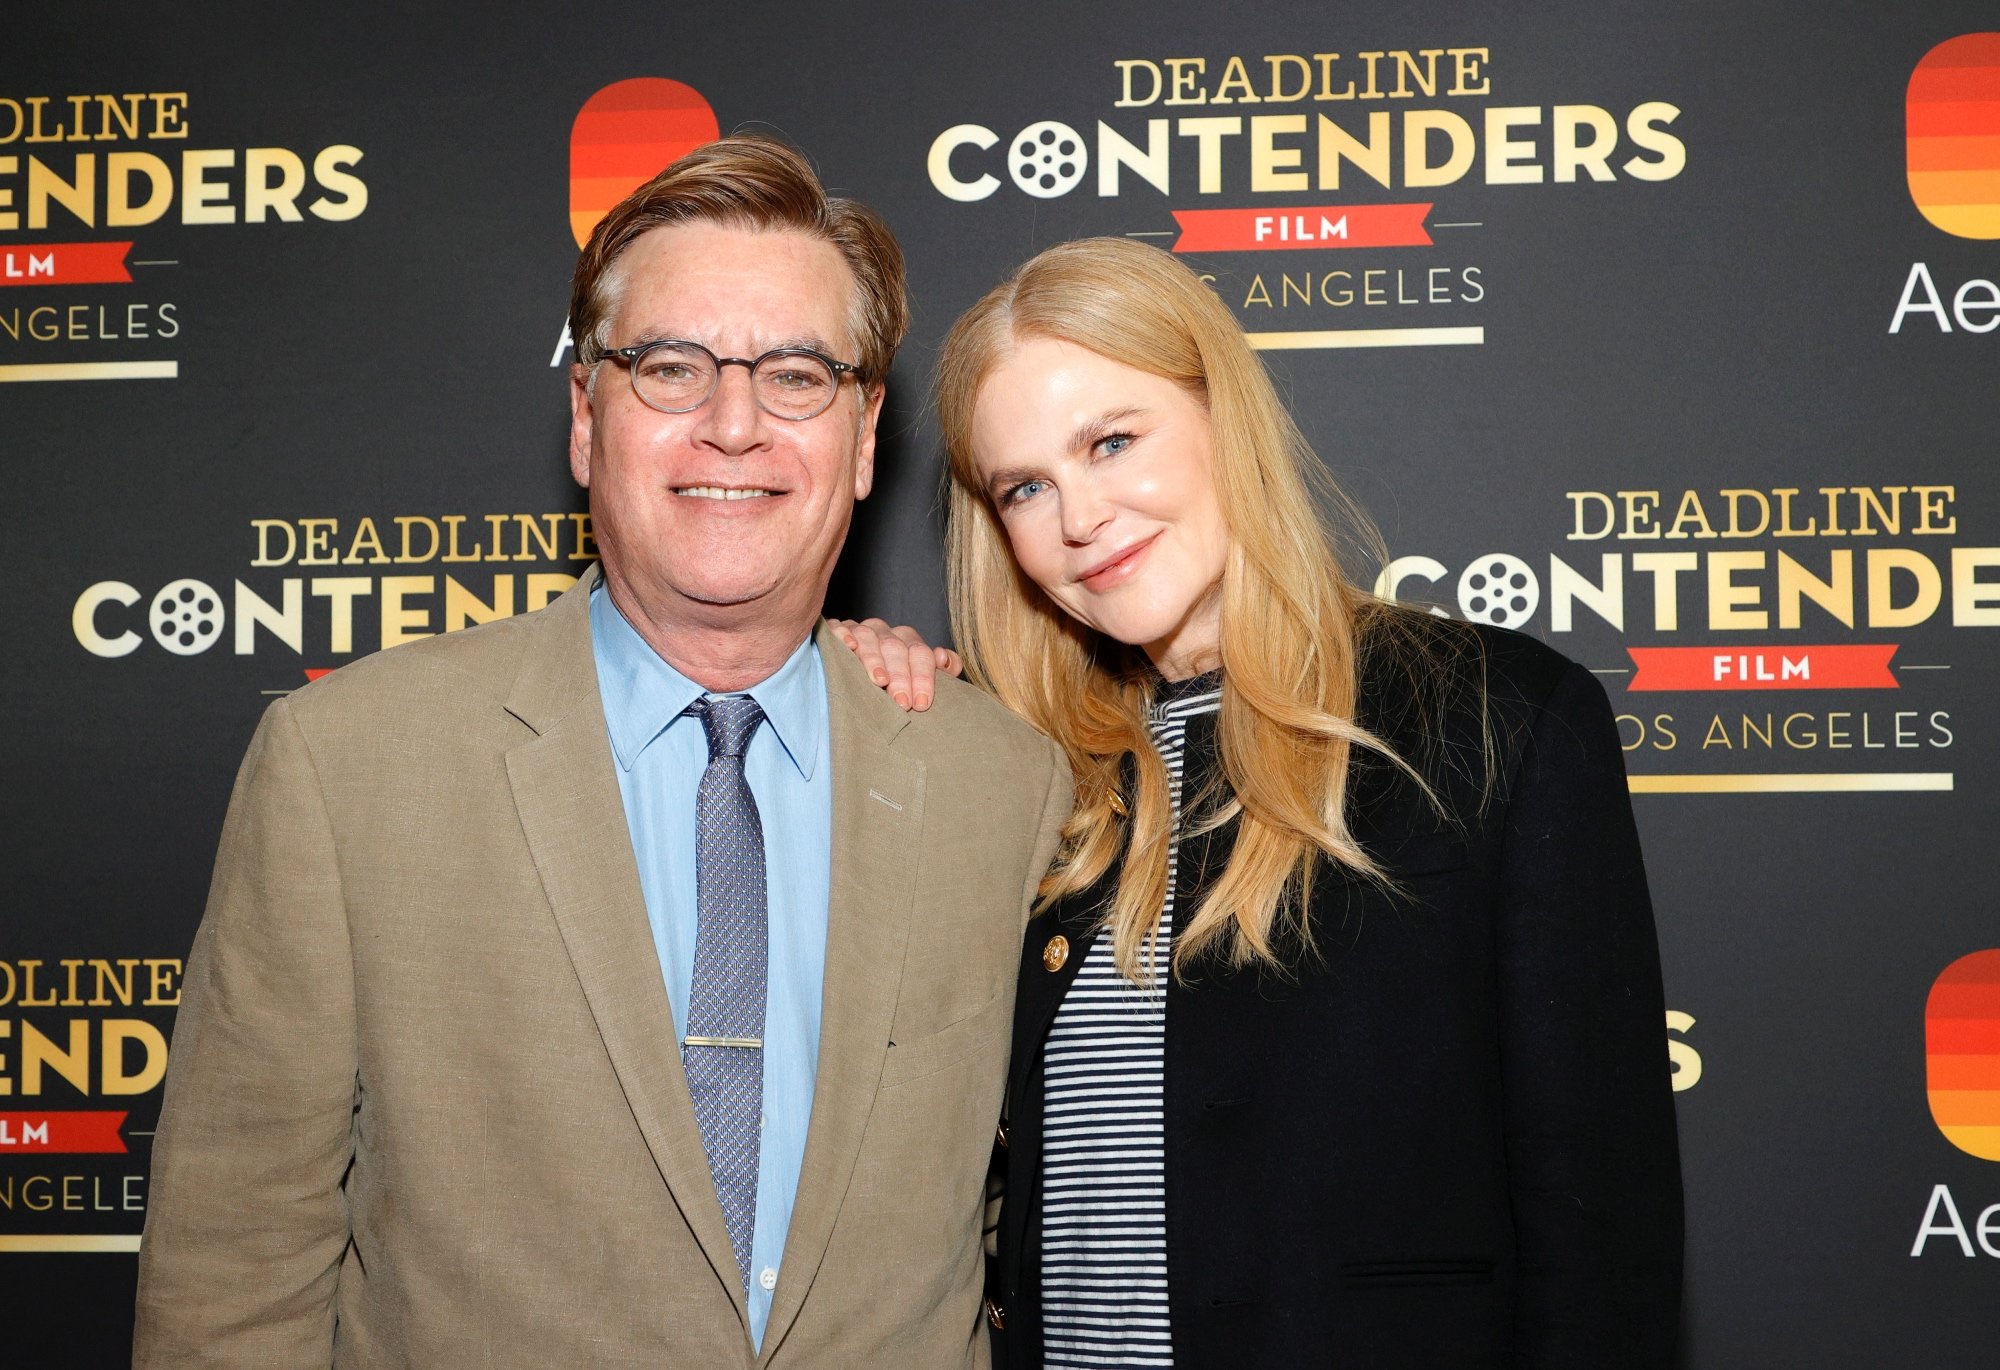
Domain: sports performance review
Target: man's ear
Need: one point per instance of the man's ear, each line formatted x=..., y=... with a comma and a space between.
x=864, y=457
x=580, y=420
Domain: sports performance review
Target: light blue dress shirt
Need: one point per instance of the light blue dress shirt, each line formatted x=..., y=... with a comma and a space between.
x=661, y=756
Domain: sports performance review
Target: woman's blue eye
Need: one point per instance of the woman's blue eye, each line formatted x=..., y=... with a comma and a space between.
x=1024, y=490
x=1114, y=443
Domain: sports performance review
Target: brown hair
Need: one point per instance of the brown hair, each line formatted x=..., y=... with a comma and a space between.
x=754, y=181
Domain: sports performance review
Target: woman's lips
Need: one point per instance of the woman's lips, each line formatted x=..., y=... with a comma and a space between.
x=1116, y=568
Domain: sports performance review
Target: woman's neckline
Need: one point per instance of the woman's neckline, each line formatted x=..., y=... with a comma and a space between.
x=1171, y=691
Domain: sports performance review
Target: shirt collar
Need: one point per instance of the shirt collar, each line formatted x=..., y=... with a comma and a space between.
x=644, y=695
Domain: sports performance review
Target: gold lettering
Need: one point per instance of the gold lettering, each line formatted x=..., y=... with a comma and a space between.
x=1690, y=512
x=39, y=1051
x=531, y=528
x=1406, y=71
x=318, y=534
x=401, y=623
x=119, y=981
x=79, y=197
x=367, y=539
x=462, y=607
x=1931, y=502
x=1883, y=611
x=407, y=523
x=1326, y=90
x=1835, y=594
x=1731, y=605
x=1235, y=77
x=161, y=990
x=1277, y=94
x=1181, y=82
x=112, y=1075
x=1465, y=69
x=1371, y=158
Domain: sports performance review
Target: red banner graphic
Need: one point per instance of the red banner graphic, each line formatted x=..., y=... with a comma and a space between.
x=1863, y=667
x=64, y=264
x=71, y=1132
x=1272, y=230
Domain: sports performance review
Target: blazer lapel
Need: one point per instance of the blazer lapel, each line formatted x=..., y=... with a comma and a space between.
x=566, y=792
x=878, y=805
x=1046, y=975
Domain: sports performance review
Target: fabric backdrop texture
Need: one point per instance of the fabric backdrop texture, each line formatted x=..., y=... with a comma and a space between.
x=1669, y=334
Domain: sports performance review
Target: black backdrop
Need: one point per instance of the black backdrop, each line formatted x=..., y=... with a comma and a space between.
x=1738, y=307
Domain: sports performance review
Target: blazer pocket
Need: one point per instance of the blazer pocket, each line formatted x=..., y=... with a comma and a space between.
x=916, y=1057
x=1404, y=1274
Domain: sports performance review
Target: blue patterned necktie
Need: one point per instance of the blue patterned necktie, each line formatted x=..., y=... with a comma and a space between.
x=723, y=1052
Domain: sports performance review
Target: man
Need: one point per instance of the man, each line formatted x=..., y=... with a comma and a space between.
x=628, y=983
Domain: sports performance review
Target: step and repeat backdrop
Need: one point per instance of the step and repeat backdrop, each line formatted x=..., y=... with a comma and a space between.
x=1668, y=333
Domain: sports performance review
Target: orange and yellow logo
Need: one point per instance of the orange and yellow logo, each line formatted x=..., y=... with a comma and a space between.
x=1953, y=118
x=625, y=135
x=1962, y=1052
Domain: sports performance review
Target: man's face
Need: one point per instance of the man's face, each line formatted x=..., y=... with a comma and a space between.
x=726, y=515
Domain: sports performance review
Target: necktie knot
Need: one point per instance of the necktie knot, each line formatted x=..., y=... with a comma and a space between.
x=729, y=722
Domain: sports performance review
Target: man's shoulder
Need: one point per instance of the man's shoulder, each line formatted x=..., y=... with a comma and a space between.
x=965, y=715
x=994, y=781
x=449, y=671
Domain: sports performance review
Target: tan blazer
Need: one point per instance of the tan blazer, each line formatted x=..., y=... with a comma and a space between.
x=425, y=1107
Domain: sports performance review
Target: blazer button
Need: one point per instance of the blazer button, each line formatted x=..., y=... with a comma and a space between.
x=1055, y=953
x=996, y=1315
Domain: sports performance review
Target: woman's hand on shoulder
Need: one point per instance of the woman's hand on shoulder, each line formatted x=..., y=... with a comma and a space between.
x=898, y=659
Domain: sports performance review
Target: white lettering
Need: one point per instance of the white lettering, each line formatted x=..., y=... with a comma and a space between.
x=83, y=619
x=948, y=142
x=1400, y=569
x=1115, y=151
x=1933, y=304
x=1962, y=305
x=1941, y=1198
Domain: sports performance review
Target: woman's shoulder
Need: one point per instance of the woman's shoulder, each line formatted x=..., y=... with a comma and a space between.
x=1411, y=656
x=1444, y=692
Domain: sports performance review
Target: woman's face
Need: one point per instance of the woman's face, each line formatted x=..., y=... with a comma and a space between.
x=1101, y=477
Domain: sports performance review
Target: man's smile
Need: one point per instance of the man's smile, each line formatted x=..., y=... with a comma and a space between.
x=725, y=492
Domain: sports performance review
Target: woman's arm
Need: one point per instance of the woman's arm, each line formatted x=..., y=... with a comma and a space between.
x=1593, y=1158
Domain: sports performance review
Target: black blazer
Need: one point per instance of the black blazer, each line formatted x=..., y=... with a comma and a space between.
x=1448, y=1142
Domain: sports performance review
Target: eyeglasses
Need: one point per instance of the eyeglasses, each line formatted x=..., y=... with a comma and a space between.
x=675, y=377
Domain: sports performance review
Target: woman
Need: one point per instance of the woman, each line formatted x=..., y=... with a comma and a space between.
x=1339, y=1041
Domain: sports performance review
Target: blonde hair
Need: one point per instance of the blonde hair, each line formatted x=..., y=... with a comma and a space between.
x=1292, y=622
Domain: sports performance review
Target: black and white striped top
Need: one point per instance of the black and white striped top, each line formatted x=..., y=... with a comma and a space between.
x=1104, y=1216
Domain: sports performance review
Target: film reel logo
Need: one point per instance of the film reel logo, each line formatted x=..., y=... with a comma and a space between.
x=1047, y=159
x=1962, y=1053
x=625, y=135
x=1499, y=589
x=1952, y=117
x=186, y=617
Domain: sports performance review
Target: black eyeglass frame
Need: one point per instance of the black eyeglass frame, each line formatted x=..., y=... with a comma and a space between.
x=631, y=355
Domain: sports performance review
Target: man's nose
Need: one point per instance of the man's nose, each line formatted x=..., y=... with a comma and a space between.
x=732, y=420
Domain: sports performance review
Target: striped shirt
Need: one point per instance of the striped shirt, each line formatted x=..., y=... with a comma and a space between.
x=1104, y=1215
